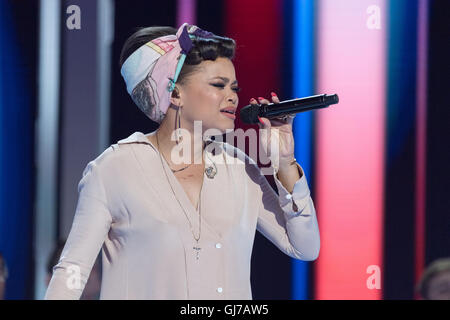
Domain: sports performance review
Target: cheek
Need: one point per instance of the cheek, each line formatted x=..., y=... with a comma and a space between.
x=207, y=101
x=214, y=96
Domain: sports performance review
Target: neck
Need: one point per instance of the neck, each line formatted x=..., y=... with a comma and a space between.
x=192, y=149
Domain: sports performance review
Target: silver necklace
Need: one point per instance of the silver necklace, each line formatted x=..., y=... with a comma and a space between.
x=197, y=248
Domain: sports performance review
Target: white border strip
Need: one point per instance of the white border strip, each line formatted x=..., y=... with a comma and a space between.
x=105, y=15
x=46, y=140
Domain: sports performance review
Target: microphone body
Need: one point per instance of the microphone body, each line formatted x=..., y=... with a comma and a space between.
x=249, y=114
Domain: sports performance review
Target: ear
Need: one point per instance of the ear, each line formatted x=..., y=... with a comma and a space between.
x=175, y=97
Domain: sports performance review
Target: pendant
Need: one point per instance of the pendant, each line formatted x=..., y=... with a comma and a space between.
x=210, y=172
x=198, y=250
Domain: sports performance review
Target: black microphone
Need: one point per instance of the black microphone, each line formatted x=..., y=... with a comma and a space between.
x=249, y=114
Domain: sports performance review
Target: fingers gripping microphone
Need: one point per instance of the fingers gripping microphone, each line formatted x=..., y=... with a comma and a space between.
x=249, y=114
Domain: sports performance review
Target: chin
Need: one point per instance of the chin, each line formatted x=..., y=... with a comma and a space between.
x=222, y=126
x=227, y=126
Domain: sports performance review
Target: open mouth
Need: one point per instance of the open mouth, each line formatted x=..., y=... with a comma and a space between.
x=229, y=114
x=228, y=111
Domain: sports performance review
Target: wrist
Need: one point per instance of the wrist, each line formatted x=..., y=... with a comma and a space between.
x=286, y=164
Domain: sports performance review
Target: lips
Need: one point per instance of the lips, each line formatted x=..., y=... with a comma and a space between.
x=229, y=115
x=230, y=110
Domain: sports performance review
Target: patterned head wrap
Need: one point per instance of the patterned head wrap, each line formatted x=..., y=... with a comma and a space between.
x=151, y=71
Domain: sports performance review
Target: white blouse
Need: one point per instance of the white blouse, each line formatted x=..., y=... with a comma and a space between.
x=127, y=209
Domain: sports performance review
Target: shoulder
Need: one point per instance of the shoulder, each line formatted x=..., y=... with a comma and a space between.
x=107, y=168
x=125, y=146
x=117, y=155
x=103, y=162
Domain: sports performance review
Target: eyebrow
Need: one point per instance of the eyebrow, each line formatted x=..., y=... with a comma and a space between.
x=226, y=79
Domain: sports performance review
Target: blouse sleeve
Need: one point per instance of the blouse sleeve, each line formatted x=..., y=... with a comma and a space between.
x=293, y=229
x=90, y=227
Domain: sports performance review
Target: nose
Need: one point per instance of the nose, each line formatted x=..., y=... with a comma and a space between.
x=233, y=98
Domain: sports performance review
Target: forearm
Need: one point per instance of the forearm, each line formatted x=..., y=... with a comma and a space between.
x=297, y=234
x=288, y=175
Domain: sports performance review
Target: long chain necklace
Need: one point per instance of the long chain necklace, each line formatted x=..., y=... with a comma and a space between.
x=197, y=248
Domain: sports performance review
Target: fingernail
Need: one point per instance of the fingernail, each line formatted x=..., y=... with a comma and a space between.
x=273, y=94
x=260, y=120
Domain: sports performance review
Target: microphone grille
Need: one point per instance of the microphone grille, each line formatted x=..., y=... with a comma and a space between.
x=249, y=114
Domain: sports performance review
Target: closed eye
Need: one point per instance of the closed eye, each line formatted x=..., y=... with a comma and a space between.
x=236, y=89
